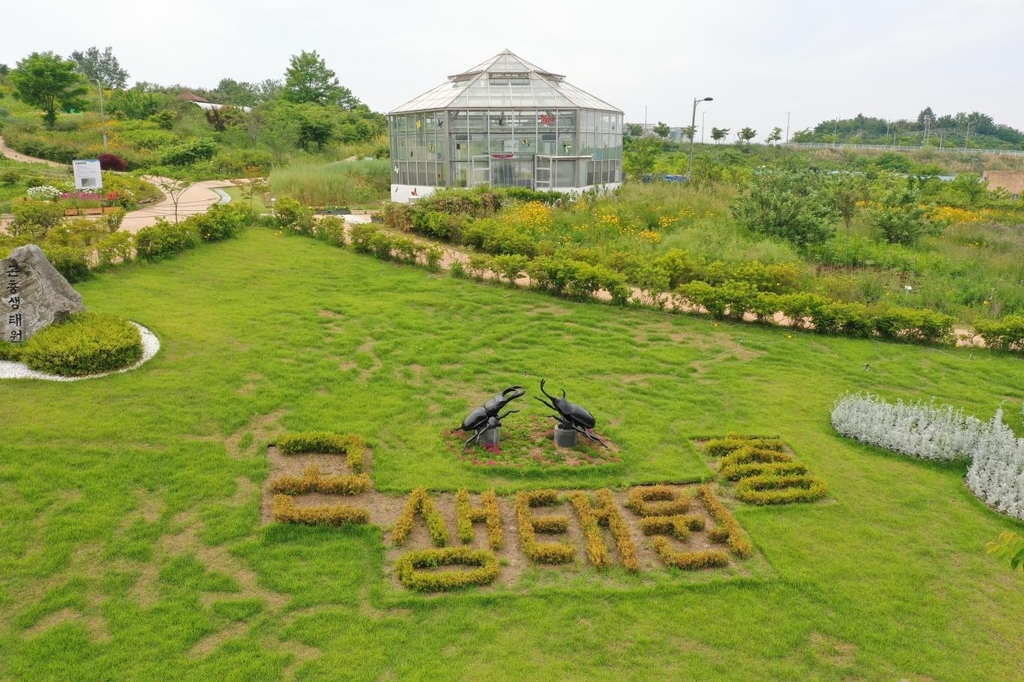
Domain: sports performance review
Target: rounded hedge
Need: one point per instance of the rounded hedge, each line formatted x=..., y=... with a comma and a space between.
x=83, y=344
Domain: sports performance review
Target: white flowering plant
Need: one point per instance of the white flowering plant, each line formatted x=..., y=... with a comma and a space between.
x=928, y=431
x=44, y=193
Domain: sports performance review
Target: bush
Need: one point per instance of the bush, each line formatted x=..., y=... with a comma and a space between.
x=84, y=344
x=608, y=516
x=114, y=218
x=112, y=162
x=294, y=216
x=1004, y=334
x=70, y=262
x=408, y=565
x=10, y=352
x=165, y=239
x=118, y=246
x=223, y=221
x=188, y=152
x=331, y=230
x=326, y=442
x=35, y=218
x=361, y=236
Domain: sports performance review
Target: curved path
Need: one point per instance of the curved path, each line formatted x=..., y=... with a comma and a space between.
x=196, y=199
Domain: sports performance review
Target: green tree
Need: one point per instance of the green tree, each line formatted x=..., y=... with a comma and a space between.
x=101, y=66
x=235, y=93
x=791, y=204
x=1010, y=548
x=308, y=80
x=746, y=135
x=899, y=214
x=775, y=136
x=970, y=187
x=641, y=156
x=634, y=130
x=689, y=132
x=662, y=129
x=719, y=134
x=47, y=81
x=137, y=104
x=847, y=192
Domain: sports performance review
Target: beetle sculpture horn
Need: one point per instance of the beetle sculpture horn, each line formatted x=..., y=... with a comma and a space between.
x=569, y=414
x=489, y=416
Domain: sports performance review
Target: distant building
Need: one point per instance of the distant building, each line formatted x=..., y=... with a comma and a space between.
x=1011, y=181
x=504, y=123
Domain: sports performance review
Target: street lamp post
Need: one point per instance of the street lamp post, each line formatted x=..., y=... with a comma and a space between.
x=693, y=126
x=787, y=127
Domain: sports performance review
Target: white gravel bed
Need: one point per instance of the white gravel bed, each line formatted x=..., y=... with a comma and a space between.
x=18, y=370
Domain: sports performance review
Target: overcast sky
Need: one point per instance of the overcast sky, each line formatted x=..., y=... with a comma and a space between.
x=758, y=59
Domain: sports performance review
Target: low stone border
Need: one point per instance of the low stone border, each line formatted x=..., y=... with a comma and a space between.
x=18, y=370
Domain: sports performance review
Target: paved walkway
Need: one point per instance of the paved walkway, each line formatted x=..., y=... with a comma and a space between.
x=196, y=199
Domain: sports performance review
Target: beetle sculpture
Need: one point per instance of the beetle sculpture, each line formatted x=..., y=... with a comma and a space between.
x=489, y=416
x=570, y=415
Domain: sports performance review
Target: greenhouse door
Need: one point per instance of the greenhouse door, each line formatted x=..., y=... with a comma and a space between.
x=480, y=170
x=542, y=172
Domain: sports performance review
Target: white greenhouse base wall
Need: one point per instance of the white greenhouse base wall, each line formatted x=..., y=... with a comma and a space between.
x=405, y=194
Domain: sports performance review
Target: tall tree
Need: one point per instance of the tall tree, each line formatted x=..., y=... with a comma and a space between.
x=308, y=80
x=689, y=132
x=746, y=135
x=775, y=136
x=101, y=66
x=662, y=129
x=634, y=130
x=48, y=81
x=719, y=134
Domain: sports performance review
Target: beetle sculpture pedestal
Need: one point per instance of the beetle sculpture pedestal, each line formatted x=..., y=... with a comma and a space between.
x=490, y=436
x=565, y=437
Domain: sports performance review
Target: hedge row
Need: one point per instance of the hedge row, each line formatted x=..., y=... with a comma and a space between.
x=738, y=471
x=490, y=513
x=1004, y=334
x=597, y=552
x=770, y=477
x=313, y=481
x=420, y=502
x=657, y=500
x=728, y=529
x=689, y=561
x=678, y=526
x=409, y=568
x=609, y=517
x=370, y=239
x=286, y=511
x=166, y=239
x=326, y=442
x=720, y=447
x=80, y=345
x=824, y=316
x=541, y=552
x=780, y=489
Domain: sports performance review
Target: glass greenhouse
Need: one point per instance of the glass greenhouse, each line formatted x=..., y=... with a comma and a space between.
x=506, y=123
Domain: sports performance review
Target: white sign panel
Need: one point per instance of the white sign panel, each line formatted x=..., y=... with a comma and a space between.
x=88, y=175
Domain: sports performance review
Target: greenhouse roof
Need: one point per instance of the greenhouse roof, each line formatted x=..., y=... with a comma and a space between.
x=505, y=81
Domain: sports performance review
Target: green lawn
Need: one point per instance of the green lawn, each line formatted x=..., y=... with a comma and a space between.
x=131, y=547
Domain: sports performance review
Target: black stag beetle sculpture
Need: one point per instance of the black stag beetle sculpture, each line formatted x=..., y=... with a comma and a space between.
x=488, y=416
x=570, y=415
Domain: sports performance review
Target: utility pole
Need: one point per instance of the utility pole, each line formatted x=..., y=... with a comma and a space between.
x=787, y=127
x=103, y=120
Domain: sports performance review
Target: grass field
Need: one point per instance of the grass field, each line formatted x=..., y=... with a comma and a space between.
x=131, y=546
